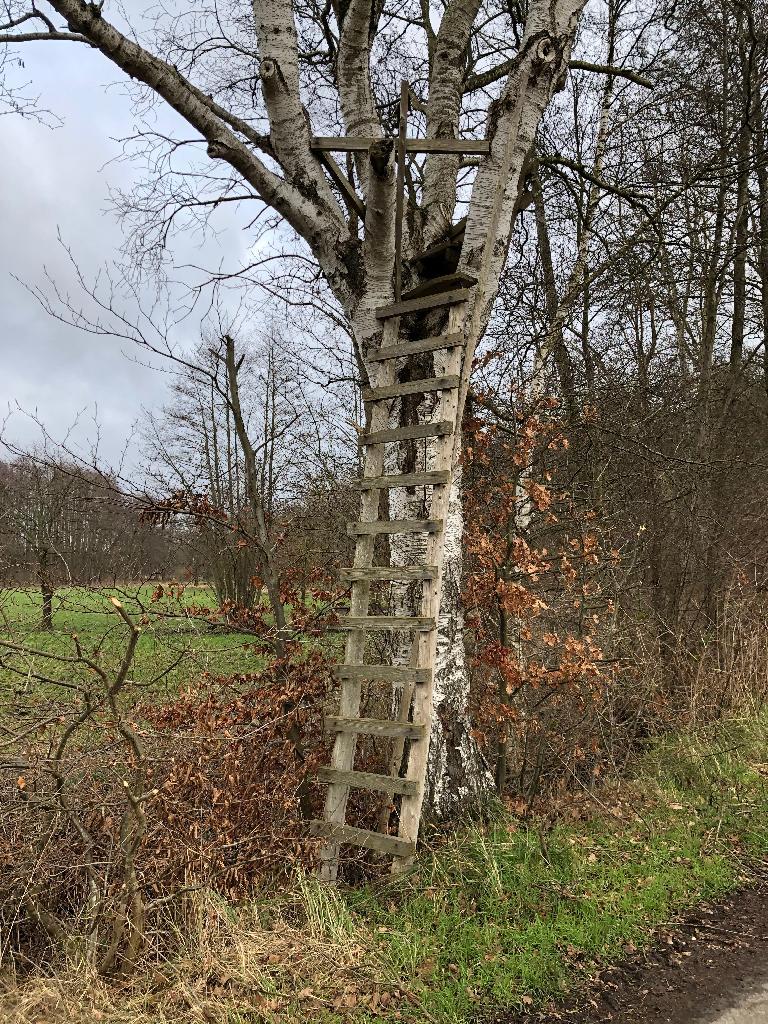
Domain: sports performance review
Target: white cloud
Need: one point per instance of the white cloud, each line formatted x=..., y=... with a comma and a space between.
x=55, y=181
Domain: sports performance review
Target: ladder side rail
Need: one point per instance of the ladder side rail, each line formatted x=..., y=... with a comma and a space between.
x=345, y=744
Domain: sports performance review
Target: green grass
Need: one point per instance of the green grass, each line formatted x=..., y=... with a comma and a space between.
x=174, y=649
x=501, y=915
x=83, y=608
x=509, y=915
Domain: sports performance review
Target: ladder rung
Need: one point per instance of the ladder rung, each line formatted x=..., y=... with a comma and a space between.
x=414, y=348
x=459, y=279
x=385, y=673
x=422, y=623
x=374, y=727
x=367, y=780
x=338, y=833
x=426, y=302
x=432, y=478
x=385, y=573
x=412, y=387
x=361, y=143
x=441, y=429
x=395, y=526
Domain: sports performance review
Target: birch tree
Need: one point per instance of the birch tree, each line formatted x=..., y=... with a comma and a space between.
x=254, y=84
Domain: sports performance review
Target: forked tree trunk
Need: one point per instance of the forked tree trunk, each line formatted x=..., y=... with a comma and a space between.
x=360, y=271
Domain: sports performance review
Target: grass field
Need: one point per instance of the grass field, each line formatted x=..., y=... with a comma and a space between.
x=174, y=648
x=501, y=916
x=506, y=914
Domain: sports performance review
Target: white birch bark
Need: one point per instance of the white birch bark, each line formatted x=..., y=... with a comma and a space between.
x=358, y=108
x=458, y=775
x=446, y=89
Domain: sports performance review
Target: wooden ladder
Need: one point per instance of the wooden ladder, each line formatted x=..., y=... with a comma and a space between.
x=416, y=679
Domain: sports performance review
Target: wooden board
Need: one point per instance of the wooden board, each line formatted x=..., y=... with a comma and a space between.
x=352, y=199
x=338, y=833
x=414, y=348
x=454, y=240
x=468, y=147
x=385, y=526
x=424, y=623
x=343, y=143
x=461, y=279
x=426, y=302
x=411, y=387
x=374, y=727
x=417, y=430
x=361, y=143
x=386, y=573
x=429, y=478
x=386, y=673
x=368, y=780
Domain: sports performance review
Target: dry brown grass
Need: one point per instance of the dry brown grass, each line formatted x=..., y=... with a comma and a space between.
x=308, y=959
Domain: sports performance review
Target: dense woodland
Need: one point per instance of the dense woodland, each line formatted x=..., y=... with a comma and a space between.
x=608, y=585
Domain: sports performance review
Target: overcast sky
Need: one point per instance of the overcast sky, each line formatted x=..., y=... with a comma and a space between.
x=55, y=181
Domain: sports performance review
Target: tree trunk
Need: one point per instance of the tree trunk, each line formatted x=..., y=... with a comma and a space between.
x=555, y=342
x=46, y=590
x=742, y=218
x=761, y=235
x=458, y=775
x=232, y=571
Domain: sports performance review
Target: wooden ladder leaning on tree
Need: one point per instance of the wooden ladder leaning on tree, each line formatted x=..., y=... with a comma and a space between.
x=417, y=679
